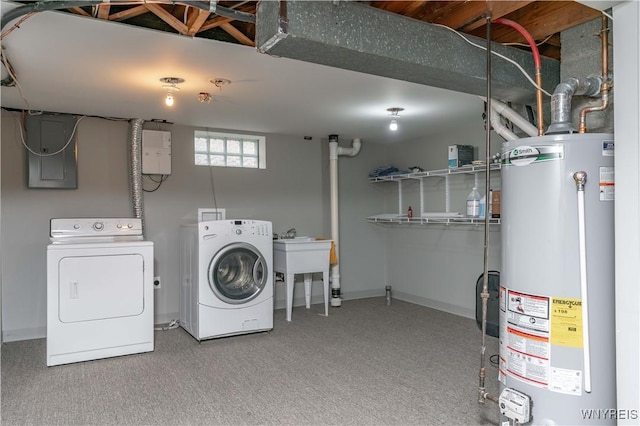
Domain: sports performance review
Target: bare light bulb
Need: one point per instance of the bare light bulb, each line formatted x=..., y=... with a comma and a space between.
x=169, y=99
x=393, y=126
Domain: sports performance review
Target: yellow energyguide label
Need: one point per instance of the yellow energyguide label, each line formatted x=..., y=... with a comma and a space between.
x=566, y=322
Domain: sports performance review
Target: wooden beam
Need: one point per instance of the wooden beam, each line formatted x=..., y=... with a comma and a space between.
x=103, y=11
x=79, y=11
x=167, y=17
x=128, y=13
x=196, y=21
x=214, y=23
x=540, y=19
x=237, y=34
x=498, y=9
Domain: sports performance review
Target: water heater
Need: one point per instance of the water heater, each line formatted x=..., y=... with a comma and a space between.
x=557, y=335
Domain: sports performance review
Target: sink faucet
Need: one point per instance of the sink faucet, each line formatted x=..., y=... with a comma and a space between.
x=291, y=233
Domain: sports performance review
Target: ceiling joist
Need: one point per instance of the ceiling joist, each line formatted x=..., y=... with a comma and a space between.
x=237, y=34
x=128, y=13
x=197, y=18
x=167, y=17
x=103, y=11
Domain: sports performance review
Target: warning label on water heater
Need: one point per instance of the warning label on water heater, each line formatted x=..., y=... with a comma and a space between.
x=607, y=184
x=527, y=338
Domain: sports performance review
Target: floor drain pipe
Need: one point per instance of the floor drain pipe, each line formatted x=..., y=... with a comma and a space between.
x=334, y=152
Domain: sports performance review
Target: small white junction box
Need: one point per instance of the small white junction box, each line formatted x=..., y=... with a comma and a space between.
x=156, y=152
x=515, y=405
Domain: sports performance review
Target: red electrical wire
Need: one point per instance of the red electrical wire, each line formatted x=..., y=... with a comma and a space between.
x=534, y=48
x=538, y=65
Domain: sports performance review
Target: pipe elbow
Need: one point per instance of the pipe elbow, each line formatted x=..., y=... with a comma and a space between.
x=356, y=144
x=568, y=87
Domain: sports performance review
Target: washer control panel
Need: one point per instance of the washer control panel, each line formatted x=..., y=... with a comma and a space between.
x=251, y=227
x=239, y=227
x=95, y=227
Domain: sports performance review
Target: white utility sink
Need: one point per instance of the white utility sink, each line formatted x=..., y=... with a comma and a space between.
x=302, y=255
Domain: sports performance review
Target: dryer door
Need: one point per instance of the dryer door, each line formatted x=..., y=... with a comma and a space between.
x=238, y=273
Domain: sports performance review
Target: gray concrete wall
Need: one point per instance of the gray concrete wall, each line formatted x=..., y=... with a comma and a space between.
x=582, y=57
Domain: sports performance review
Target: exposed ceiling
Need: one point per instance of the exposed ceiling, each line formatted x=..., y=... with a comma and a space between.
x=544, y=20
x=84, y=60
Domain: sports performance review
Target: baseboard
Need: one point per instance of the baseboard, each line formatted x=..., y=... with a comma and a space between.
x=24, y=334
x=319, y=298
x=160, y=319
x=163, y=319
x=41, y=332
x=430, y=303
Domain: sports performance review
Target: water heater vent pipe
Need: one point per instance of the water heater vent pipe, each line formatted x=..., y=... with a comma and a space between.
x=334, y=152
x=561, y=102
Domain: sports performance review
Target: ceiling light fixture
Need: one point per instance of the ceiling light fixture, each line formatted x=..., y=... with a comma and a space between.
x=394, y=113
x=171, y=86
x=219, y=82
x=204, y=97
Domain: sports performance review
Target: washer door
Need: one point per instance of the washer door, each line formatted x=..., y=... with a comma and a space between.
x=238, y=273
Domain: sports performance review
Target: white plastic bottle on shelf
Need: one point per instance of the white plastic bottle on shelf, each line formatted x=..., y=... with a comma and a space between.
x=473, y=203
x=490, y=208
x=482, y=207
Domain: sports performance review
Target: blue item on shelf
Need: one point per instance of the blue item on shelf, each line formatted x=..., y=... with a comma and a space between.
x=384, y=171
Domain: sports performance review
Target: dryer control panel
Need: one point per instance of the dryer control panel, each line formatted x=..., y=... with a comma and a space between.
x=65, y=228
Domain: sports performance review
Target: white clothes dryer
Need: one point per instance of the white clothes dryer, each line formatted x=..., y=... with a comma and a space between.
x=226, y=278
x=99, y=290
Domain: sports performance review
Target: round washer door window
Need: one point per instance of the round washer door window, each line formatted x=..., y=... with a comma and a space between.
x=238, y=273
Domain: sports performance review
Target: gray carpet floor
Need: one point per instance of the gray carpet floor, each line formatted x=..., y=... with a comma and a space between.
x=365, y=364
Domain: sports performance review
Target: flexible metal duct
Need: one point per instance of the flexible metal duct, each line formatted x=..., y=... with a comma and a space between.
x=561, y=102
x=135, y=168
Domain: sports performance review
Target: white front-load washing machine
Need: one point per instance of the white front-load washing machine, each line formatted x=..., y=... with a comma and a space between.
x=99, y=289
x=226, y=277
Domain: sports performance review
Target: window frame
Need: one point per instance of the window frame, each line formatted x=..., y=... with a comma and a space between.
x=210, y=135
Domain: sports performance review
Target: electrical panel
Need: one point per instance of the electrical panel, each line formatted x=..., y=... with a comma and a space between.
x=156, y=152
x=51, y=139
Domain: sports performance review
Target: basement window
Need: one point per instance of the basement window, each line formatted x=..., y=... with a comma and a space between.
x=229, y=150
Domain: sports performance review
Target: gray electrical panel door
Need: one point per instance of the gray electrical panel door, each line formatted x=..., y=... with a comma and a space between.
x=53, y=162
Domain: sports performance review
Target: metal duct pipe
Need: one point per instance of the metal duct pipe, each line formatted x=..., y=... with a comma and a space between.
x=135, y=168
x=606, y=85
x=561, y=102
x=334, y=152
